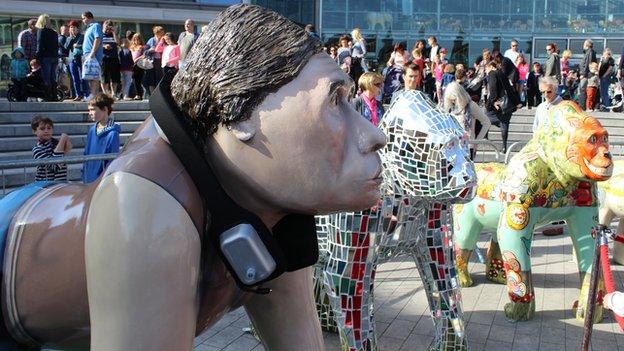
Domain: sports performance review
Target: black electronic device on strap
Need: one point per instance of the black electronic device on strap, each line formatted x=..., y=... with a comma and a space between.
x=252, y=253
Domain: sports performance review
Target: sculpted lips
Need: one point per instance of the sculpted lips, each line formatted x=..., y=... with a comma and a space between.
x=602, y=172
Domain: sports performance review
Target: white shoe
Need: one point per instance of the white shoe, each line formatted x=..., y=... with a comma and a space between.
x=88, y=98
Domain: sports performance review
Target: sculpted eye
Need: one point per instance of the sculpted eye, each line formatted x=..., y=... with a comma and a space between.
x=592, y=139
x=605, y=138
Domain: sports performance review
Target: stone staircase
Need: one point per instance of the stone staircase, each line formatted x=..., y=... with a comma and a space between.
x=16, y=138
x=72, y=118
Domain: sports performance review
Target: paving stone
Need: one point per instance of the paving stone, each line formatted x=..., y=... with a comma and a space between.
x=404, y=324
x=501, y=333
x=525, y=342
x=492, y=345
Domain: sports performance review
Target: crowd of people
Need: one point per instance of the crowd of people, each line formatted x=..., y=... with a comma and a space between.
x=122, y=65
x=497, y=83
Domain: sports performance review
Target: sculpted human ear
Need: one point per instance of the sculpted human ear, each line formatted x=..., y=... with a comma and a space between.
x=244, y=130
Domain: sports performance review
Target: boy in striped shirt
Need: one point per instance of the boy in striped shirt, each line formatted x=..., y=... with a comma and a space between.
x=48, y=147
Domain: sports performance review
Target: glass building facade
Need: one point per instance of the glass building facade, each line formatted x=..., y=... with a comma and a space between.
x=465, y=27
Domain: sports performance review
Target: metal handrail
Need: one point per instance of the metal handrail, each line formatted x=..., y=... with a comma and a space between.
x=11, y=164
x=489, y=143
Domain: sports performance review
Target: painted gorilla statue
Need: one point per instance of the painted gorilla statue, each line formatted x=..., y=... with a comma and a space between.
x=128, y=262
x=552, y=178
x=426, y=168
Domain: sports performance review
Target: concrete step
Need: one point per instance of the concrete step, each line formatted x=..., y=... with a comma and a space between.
x=27, y=143
x=69, y=116
x=6, y=106
x=71, y=128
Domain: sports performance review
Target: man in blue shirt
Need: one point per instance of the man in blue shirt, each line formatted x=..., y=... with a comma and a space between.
x=92, y=49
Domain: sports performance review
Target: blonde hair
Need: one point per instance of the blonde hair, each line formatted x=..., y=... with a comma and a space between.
x=607, y=51
x=158, y=30
x=566, y=53
x=43, y=21
x=455, y=97
x=368, y=80
x=417, y=52
x=449, y=68
x=593, y=65
x=356, y=34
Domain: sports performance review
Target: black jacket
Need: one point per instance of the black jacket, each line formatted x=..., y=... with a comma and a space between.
x=590, y=56
x=47, y=43
x=499, y=86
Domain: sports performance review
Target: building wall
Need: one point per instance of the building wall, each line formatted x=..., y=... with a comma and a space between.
x=465, y=27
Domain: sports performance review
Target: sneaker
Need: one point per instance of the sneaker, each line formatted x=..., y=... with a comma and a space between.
x=89, y=97
x=78, y=98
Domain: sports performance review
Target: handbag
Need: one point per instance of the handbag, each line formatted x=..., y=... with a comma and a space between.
x=507, y=106
x=145, y=63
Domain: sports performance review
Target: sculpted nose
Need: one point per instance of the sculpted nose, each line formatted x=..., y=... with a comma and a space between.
x=370, y=137
x=373, y=141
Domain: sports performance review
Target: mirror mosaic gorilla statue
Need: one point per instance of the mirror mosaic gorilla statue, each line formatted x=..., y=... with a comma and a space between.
x=552, y=178
x=124, y=263
x=426, y=168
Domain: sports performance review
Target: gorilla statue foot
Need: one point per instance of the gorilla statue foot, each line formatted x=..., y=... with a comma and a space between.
x=520, y=311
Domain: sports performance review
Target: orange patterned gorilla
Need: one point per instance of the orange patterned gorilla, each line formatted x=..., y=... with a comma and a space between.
x=552, y=178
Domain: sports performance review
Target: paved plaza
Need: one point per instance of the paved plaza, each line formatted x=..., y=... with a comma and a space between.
x=403, y=323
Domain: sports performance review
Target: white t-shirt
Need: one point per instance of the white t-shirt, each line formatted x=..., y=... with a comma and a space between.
x=512, y=55
x=541, y=113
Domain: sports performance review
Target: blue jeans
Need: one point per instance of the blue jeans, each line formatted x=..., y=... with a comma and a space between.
x=79, y=86
x=48, y=70
x=604, y=91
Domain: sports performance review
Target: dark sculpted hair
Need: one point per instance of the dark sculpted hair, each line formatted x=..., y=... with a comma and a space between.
x=245, y=54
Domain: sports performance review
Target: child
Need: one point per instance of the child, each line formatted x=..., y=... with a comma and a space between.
x=534, y=97
x=49, y=147
x=449, y=75
x=126, y=66
x=593, y=82
x=438, y=71
x=103, y=136
x=35, y=78
x=19, y=70
x=171, y=54
x=447, y=78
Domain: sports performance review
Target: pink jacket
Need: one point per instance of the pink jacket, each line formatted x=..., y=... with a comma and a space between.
x=171, y=56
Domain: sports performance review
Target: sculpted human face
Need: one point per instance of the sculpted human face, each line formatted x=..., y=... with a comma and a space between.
x=304, y=149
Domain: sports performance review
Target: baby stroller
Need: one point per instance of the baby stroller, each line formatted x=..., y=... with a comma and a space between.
x=393, y=82
x=615, y=92
x=33, y=91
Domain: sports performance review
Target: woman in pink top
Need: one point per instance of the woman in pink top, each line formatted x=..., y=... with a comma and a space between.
x=170, y=54
x=523, y=73
x=399, y=56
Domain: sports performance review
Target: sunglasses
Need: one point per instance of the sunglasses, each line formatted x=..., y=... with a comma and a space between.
x=546, y=91
x=514, y=46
